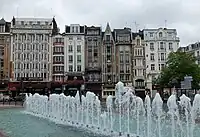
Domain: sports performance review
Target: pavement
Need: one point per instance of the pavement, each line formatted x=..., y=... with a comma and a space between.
x=9, y=106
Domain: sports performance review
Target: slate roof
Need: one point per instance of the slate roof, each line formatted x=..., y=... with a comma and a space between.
x=2, y=21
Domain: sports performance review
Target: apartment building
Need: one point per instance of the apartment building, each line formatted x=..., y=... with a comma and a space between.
x=31, y=50
x=4, y=49
x=74, y=57
x=194, y=49
x=123, y=42
x=139, y=64
x=109, y=67
x=58, y=58
x=93, y=72
x=159, y=43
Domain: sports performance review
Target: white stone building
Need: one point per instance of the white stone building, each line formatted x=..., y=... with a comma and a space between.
x=159, y=43
x=31, y=47
x=193, y=49
x=74, y=49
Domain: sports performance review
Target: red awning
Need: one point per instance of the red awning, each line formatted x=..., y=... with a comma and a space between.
x=12, y=88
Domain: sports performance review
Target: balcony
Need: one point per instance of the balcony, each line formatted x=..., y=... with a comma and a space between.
x=95, y=69
x=58, y=53
x=108, y=42
x=58, y=43
x=58, y=72
x=58, y=62
x=162, y=49
x=123, y=42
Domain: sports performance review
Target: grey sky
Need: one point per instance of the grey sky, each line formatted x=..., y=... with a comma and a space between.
x=180, y=14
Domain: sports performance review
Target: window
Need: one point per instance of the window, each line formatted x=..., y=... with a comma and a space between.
x=151, y=46
x=138, y=42
x=22, y=22
x=108, y=49
x=160, y=34
x=197, y=53
x=70, y=58
x=109, y=69
x=78, y=38
x=161, y=45
x=127, y=77
x=79, y=68
x=162, y=56
x=151, y=34
x=127, y=69
x=95, y=54
x=70, y=68
x=121, y=77
x=170, y=46
x=78, y=58
x=121, y=58
x=78, y=48
x=121, y=68
x=152, y=66
x=152, y=57
x=1, y=28
x=127, y=58
x=70, y=48
x=107, y=37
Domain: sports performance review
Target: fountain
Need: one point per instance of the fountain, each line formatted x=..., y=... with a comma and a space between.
x=125, y=114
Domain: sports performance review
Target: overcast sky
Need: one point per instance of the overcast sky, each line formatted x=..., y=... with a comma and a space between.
x=184, y=15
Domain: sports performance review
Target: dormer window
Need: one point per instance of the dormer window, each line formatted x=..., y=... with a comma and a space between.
x=22, y=22
x=138, y=42
x=160, y=34
x=2, y=28
x=107, y=37
x=72, y=29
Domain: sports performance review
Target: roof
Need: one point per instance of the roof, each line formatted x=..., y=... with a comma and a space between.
x=2, y=21
x=123, y=31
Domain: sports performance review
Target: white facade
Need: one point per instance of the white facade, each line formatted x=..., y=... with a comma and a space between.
x=58, y=58
x=74, y=50
x=31, y=48
x=159, y=43
x=193, y=49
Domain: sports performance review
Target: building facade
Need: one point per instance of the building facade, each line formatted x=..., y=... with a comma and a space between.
x=4, y=52
x=159, y=43
x=93, y=40
x=74, y=57
x=58, y=62
x=193, y=49
x=31, y=51
x=109, y=67
x=139, y=64
x=123, y=41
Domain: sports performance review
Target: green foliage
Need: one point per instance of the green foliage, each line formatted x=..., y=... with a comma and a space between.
x=179, y=64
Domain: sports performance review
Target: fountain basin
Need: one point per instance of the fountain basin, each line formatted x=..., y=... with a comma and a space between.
x=15, y=123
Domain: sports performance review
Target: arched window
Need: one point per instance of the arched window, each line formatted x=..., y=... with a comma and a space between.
x=160, y=34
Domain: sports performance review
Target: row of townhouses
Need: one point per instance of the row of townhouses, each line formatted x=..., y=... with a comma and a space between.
x=82, y=57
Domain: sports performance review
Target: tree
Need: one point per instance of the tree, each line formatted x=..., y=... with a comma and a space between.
x=179, y=64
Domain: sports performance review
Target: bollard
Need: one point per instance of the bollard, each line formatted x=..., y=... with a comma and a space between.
x=3, y=101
